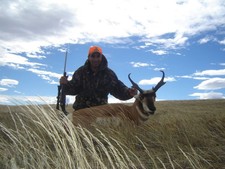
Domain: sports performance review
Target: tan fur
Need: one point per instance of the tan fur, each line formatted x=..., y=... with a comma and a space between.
x=109, y=114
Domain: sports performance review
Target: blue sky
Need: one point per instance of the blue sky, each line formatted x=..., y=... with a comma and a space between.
x=185, y=38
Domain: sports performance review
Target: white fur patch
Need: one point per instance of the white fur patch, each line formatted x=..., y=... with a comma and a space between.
x=136, y=96
x=108, y=121
x=142, y=115
x=145, y=107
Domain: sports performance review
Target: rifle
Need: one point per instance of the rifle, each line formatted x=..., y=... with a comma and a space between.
x=61, y=97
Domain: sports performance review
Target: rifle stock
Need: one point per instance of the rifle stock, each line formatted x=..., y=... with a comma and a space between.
x=58, y=97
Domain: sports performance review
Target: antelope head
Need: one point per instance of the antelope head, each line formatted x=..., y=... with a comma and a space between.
x=146, y=98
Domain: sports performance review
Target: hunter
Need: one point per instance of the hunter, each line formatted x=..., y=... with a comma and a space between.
x=94, y=81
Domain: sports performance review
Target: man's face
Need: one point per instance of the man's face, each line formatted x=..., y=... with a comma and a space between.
x=95, y=59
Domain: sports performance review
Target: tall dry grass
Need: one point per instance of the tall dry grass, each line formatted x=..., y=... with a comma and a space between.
x=182, y=134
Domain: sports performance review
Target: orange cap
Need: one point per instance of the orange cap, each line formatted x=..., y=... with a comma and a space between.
x=94, y=49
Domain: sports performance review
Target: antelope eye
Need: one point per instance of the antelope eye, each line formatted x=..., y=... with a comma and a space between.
x=141, y=96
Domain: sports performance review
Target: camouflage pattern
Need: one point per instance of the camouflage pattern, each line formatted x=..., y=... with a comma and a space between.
x=93, y=89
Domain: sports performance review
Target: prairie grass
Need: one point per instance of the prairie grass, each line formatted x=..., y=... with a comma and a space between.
x=182, y=134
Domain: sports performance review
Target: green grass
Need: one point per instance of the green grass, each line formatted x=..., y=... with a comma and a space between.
x=182, y=134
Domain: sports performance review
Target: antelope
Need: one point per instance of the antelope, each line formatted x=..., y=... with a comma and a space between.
x=114, y=114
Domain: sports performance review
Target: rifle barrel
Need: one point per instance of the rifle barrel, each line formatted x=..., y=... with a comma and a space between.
x=61, y=97
x=64, y=72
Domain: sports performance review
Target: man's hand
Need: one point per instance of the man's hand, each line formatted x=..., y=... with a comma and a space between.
x=132, y=91
x=63, y=80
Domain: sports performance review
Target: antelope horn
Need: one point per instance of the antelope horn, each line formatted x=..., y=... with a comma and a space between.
x=161, y=82
x=135, y=85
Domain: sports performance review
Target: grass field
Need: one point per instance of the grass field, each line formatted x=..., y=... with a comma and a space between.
x=182, y=134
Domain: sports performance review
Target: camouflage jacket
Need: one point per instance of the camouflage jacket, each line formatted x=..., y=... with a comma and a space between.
x=93, y=89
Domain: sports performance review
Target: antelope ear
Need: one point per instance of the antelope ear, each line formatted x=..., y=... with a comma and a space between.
x=138, y=97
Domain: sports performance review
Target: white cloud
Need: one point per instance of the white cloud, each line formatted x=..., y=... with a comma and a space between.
x=222, y=42
x=4, y=100
x=155, y=80
x=46, y=75
x=17, y=92
x=36, y=56
x=43, y=72
x=3, y=89
x=200, y=78
x=177, y=40
x=211, y=84
x=8, y=82
x=219, y=72
x=204, y=40
x=158, y=69
x=17, y=62
x=193, y=77
x=159, y=52
x=53, y=23
x=140, y=64
x=210, y=95
x=207, y=39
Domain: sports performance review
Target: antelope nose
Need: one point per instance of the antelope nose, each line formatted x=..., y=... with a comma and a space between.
x=153, y=109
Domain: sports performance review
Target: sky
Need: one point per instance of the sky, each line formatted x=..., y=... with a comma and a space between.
x=185, y=38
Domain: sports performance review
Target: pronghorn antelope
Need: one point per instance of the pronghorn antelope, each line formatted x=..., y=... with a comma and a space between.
x=114, y=114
